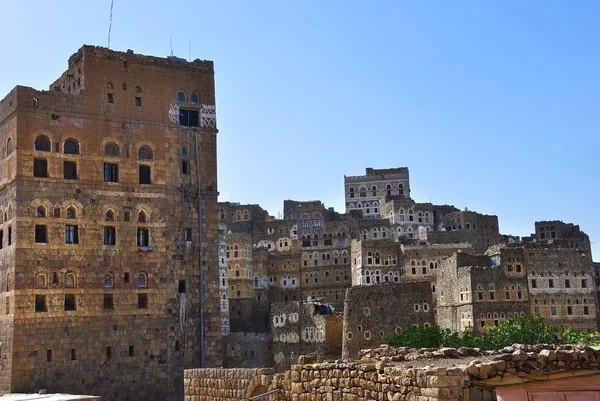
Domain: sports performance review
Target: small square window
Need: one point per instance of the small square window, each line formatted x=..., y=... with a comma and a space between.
x=110, y=235
x=41, y=234
x=40, y=303
x=108, y=301
x=70, y=170
x=70, y=304
x=142, y=301
x=40, y=168
x=111, y=172
x=144, y=174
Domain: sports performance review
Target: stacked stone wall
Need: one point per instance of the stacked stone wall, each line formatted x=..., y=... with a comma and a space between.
x=396, y=374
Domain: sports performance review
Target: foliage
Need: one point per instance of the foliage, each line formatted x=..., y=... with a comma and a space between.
x=528, y=329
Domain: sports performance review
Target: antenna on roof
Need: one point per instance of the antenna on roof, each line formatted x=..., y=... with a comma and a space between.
x=171, y=44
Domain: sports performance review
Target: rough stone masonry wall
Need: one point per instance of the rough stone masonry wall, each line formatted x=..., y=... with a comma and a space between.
x=392, y=374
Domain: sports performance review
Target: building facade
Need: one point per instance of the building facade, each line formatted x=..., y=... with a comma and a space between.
x=107, y=179
x=364, y=192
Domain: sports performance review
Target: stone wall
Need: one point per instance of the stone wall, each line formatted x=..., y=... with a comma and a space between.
x=397, y=374
x=225, y=384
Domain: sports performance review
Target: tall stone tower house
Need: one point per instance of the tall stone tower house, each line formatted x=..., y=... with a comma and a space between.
x=108, y=228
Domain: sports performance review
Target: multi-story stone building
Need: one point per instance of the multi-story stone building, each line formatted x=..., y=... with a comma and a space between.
x=561, y=284
x=375, y=261
x=301, y=328
x=480, y=230
x=475, y=291
x=108, y=193
x=374, y=312
x=365, y=192
x=556, y=229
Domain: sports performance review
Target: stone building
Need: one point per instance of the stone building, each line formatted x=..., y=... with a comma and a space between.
x=375, y=261
x=562, y=284
x=420, y=262
x=108, y=228
x=406, y=217
x=374, y=312
x=479, y=230
x=302, y=328
x=365, y=192
x=475, y=291
x=556, y=229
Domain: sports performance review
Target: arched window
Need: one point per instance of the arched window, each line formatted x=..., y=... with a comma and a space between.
x=71, y=213
x=108, y=281
x=142, y=217
x=111, y=149
x=142, y=281
x=42, y=143
x=124, y=86
x=109, y=85
x=351, y=191
x=109, y=216
x=374, y=189
x=181, y=97
x=138, y=89
x=194, y=98
x=71, y=147
x=70, y=280
x=184, y=152
x=40, y=281
x=400, y=186
x=145, y=153
x=41, y=211
x=9, y=146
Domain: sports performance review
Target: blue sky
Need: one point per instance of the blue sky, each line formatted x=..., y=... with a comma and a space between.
x=494, y=106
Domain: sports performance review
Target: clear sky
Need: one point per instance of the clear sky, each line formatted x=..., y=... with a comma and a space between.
x=493, y=105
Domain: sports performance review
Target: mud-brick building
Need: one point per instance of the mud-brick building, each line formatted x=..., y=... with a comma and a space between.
x=108, y=230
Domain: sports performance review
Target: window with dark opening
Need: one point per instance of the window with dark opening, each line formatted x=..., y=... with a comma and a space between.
x=108, y=352
x=108, y=301
x=41, y=234
x=40, y=168
x=73, y=354
x=126, y=277
x=185, y=168
x=49, y=355
x=40, y=303
x=187, y=234
x=111, y=172
x=70, y=302
x=182, y=289
x=71, y=234
x=144, y=174
x=126, y=215
x=70, y=170
x=138, y=101
x=143, y=237
x=110, y=98
x=142, y=301
x=110, y=235
x=131, y=350
x=189, y=118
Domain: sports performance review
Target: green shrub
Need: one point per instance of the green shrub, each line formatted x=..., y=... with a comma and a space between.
x=528, y=329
